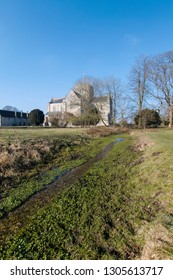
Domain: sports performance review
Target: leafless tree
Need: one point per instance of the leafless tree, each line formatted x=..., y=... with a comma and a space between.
x=161, y=76
x=139, y=83
x=108, y=86
x=60, y=119
x=114, y=87
x=105, y=87
x=85, y=93
x=92, y=91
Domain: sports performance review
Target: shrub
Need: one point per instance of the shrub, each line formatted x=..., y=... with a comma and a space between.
x=36, y=117
x=150, y=118
x=89, y=117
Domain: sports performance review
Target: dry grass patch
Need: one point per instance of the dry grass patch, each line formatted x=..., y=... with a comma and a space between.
x=157, y=241
x=142, y=141
x=105, y=131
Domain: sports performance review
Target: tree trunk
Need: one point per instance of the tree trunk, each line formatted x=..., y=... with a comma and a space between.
x=140, y=115
x=170, y=115
x=140, y=121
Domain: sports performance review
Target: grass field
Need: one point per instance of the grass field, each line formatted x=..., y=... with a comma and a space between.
x=28, y=165
x=12, y=134
x=121, y=208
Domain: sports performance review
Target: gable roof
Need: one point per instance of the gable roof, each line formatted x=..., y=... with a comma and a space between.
x=77, y=94
x=56, y=100
x=12, y=114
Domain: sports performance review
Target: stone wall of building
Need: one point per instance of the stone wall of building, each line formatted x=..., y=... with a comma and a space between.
x=9, y=118
x=104, y=105
x=73, y=104
x=5, y=121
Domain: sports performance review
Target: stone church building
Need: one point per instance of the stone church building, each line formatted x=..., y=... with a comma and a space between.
x=72, y=104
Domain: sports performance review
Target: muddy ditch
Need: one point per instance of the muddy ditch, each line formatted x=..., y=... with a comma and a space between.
x=13, y=221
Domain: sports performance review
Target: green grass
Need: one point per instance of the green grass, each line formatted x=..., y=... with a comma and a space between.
x=164, y=139
x=13, y=134
x=69, y=156
x=157, y=169
x=96, y=218
x=122, y=203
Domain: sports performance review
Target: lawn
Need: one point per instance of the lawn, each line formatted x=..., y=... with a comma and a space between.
x=164, y=139
x=14, y=134
x=27, y=165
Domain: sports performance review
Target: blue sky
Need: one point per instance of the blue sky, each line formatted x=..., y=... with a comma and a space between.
x=47, y=45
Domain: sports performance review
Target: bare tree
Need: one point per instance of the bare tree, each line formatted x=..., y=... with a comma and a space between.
x=125, y=112
x=109, y=87
x=85, y=93
x=60, y=119
x=161, y=76
x=139, y=87
x=89, y=114
x=95, y=97
x=114, y=87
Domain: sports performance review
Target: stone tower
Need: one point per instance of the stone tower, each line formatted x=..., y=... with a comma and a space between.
x=85, y=90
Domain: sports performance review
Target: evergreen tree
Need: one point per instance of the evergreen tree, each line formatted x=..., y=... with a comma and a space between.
x=36, y=117
x=149, y=118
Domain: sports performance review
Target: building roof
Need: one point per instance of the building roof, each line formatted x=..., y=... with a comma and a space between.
x=77, y=94
x=12, y=114
x=56, y=100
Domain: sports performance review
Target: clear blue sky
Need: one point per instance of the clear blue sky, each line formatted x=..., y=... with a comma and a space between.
x=46, y=45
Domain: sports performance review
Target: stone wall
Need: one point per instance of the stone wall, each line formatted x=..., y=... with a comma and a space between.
x=11, y=118
x=6, y=121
